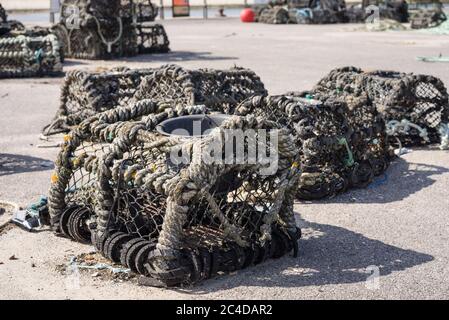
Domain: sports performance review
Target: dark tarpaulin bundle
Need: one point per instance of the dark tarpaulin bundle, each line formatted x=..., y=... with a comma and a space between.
x=179, y=223
x=27, y=52
x=342, y=144
x=99, y=29
x=415, y=107
x=85, y=94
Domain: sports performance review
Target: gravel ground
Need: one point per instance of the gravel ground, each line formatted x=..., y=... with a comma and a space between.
x=397, y=228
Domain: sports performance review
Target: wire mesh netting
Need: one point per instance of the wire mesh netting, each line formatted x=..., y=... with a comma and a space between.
x=342, y=143
x=415, y=107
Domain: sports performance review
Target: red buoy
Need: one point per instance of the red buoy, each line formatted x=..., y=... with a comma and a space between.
x=247, y=15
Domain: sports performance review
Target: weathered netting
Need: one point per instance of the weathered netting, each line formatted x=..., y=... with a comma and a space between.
x=220, y=90
x=415, y=107
x=139, y=10
x=179, y=224
x=152, y=39
x=27, y=52
x=73, y=182
x=315, y=16
x=342, y=143
x=273, y=15
x=101, y=29
x=84, y=94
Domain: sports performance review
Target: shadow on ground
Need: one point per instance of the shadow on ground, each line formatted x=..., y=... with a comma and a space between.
x=328, y=255
x=14, y=163
x=178, y=56
x=73, y=62
x=401, y=180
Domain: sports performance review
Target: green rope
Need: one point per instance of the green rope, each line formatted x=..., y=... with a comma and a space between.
x=349, y=161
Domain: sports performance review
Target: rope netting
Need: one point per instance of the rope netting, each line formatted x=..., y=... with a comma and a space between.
x=342, y=143
x=74, y=177
x=84, y=94
x=99, y=29
x=152, y=39
x=415, y=107
x=220, y=90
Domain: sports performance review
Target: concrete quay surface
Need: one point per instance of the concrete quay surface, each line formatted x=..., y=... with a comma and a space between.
x=399, y=226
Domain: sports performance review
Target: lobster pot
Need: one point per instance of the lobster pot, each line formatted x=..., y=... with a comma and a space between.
x=152, y=39
x=273, y=15
x=100, y=29
x=370, y=147
x=23, y=56
x=140, y=10
x=428, y=18
x=218, y=90
x=415, y=107
x=178, y=223
x=341, y=146
x=316, y=16
x=72, y=194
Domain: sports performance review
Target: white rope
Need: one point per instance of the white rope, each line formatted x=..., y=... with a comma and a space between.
x=109, y=44
x=403, y=127
x=444, y=133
